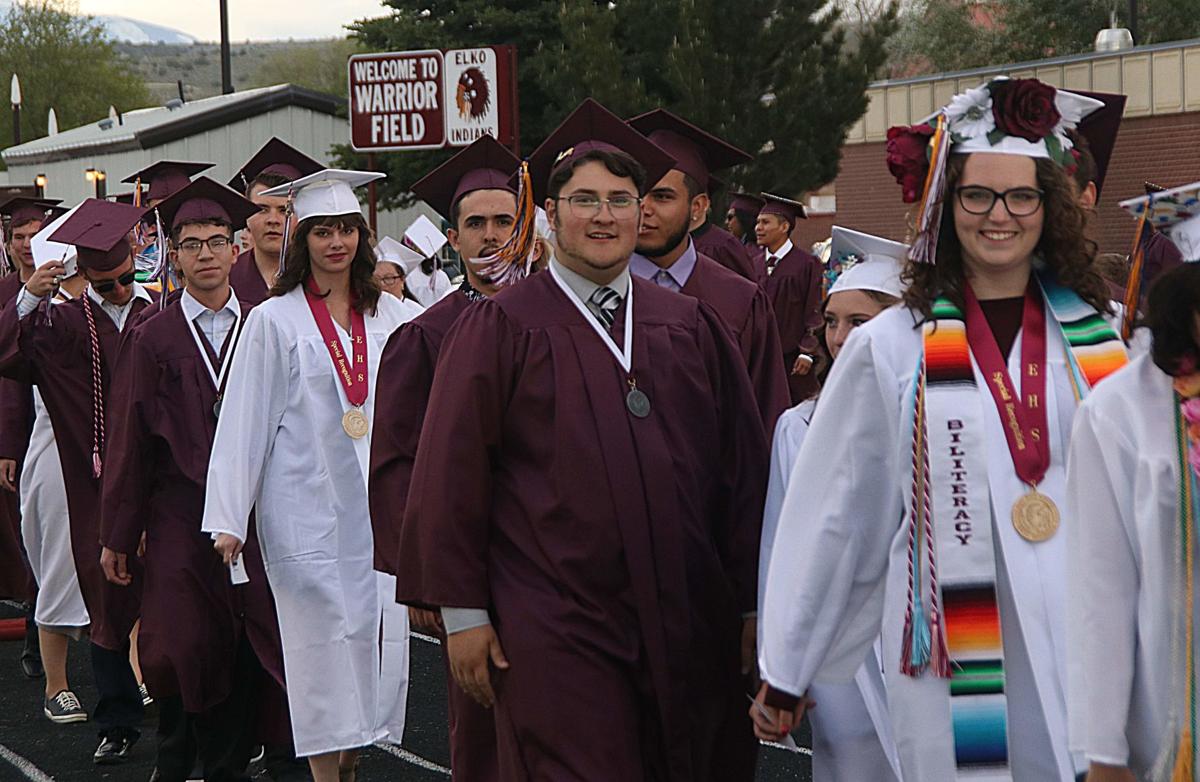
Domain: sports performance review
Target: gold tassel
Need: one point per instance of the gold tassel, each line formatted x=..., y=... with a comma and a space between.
x=1133, y=285
x=510, y=263
x=1184, y=760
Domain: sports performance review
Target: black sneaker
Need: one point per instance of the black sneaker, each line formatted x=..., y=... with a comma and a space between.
x=63, y=708
x=114, y=750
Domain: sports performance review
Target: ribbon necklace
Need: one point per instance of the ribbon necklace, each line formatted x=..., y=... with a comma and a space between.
x=352, y=376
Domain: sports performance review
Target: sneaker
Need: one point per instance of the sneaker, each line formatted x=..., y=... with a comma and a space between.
x=63, y=708
x=146, y=699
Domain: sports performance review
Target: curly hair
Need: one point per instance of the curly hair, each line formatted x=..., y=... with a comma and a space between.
x=1064, y=248
x=364, y=291
x=1171, y=313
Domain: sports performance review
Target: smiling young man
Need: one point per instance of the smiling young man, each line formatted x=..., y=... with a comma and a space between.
x=209, y=648
x=597, y=552
x=669, y=256
x=69, y=353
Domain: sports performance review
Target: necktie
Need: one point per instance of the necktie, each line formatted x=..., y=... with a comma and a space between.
x=604, y=301
x=772, y=262
x=663, y=279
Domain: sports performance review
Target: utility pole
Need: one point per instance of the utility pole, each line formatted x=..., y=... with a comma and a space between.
x=226, y=74
x=16, y=109
x=1133, y=20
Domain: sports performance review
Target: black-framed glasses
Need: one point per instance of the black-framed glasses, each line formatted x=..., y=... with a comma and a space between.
x=216, y=244
x=585, y=206
x=1019, y=201
x=106, y=286
x=390, y=279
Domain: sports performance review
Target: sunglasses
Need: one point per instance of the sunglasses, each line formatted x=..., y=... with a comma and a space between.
x=106, y=286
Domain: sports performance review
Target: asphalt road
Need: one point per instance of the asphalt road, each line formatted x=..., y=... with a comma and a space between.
x=33, y=748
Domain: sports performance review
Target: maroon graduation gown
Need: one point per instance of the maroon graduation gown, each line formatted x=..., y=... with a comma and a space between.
x=52, y=350
x=795, y=291
x=616, y=554
x=724, y=248
x=160, y=436
x=746, y=312
x=16, y=423
x=247, y=282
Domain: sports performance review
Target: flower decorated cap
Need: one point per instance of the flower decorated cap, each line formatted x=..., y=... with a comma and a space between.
x=1008, y=116
x=1174, y=212
x=864, y=262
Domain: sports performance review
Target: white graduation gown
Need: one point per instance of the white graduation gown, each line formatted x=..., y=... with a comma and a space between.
x=1125, y=589
x=46, y=528
x=428, y=288
x=852, y=738
x=280, y=449
x=845, y=545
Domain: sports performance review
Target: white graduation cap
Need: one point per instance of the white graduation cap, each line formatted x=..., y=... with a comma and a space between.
x=1175, y=212
x=388, y=249
x=327, y=193
x=869, y=263
x=425, y=236
x=45, y=250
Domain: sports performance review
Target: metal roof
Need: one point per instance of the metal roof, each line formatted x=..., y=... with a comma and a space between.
x=152, y=127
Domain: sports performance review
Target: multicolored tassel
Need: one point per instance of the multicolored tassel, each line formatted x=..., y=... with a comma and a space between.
x=511, y=262
x=1133, y=285
x=929, y=221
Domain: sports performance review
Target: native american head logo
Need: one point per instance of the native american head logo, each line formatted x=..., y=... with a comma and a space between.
x=472, y=98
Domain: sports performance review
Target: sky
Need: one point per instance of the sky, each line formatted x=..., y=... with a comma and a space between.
x=254, y=20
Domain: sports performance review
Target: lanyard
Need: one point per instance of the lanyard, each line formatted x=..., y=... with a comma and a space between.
x=217, y=375
x=624, y=357
x=353, y=382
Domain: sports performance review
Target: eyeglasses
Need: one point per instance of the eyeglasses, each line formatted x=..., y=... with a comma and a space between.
x=1019, y=201
x=106, y=286
x=390, y=279
x=585, y=206
x=215, y=244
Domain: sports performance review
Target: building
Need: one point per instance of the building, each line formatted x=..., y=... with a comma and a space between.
x=1157, y=141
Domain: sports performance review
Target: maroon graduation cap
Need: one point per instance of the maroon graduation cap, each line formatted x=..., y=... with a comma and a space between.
x=1100, y=129
x=205, y=199
x=279, y=158
x=166, y=177
x=784, y=207
x=124, y=198
x=746, y=202
x=21, y=210
x=485, y=165
x=591, y=127
x=100, y=232
x=697, y=152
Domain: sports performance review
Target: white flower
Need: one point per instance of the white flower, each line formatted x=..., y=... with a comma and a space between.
x=1071, y=108
x=970, y=113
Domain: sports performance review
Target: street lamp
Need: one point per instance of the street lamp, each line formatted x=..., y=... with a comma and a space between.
x=39, y=182
x=97, y=177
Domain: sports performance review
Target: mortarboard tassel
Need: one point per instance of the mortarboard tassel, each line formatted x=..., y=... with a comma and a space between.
x=1133, y=285
x=929, y=221
x=511, y=262
x=97, y=390
x=287, y=233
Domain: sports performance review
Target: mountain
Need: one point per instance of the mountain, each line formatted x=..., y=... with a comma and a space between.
x=120, y=28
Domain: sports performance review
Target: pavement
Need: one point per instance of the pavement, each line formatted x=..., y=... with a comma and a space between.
x=33, y=748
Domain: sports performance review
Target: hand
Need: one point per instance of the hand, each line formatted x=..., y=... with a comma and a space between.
x=228, y=546
x=8, y=474
x=772, y=724
x=1098, y=772
x=141, y=552
x=749, y=644
x=803, y=365
x=45, y=279
x=116, y=566
x=427, y=621
x=470, y=651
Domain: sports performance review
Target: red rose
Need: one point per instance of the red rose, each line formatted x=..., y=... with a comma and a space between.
x=908, y=159
x=1024, y=108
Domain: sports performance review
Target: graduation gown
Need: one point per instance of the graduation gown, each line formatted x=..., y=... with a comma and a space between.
x=17, y=580
x=280, y=448
x=247, y=283
x=1125, y=589
x=839, y=568
x=795, y=292
x=160, y=436
x=54, y=352
x=616, y=555
x=724, y=248
x=428, y=288
x=746, y=311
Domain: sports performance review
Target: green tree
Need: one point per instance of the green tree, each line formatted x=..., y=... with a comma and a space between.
x=63, y=61
x=319, y=66
x=785, y=76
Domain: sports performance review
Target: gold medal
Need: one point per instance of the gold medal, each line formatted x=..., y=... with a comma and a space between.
x=1035, y=517
x=355, y=423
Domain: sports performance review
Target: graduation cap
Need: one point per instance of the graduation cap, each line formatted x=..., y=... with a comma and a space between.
x=784, y=207
x=205, y=199
x=485, y=165
x=1100, y=129
x=277, y=158
x=1175, y=212
x=391, y=251
x=45, y=250
x=697, y=152
x=166, y=177
x=865, y=262
x=100, y=232
x=588, y=128
x=21, y=210
x=746, y=202
x=325, y=193
x=425, y=237
x=124, y=198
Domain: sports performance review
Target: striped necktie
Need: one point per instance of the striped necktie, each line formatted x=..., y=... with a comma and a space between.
x=604, y=302
x=772, y=262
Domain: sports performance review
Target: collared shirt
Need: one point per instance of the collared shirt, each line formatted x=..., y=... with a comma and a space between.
x=782, y=251
x=215, y=325
x=679, y=272
x=27, y=303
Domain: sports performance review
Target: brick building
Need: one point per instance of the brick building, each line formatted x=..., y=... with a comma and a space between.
x=1159, y=140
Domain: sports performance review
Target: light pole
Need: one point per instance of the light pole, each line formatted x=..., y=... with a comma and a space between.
x=16, y=109
x=226, y=74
